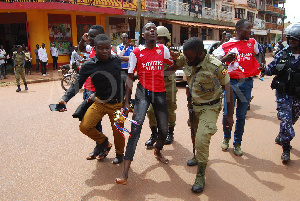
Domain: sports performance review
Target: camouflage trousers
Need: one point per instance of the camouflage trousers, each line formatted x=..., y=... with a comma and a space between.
x=288, y=108
x=20, y=71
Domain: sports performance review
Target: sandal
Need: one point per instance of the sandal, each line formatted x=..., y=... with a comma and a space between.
x=97, y=150
x=105, y=152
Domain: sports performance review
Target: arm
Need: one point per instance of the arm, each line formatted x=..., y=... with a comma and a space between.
x=229, y=99
x=82, y=43
x=128, y=91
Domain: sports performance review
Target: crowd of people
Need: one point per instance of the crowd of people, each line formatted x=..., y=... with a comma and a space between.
x=229, y=70
x=107, y=78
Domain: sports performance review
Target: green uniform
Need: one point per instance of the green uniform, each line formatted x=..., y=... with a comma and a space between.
x=19, y=58
x=206, y=88
x=171, y=91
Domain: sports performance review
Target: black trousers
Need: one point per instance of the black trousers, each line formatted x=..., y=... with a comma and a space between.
x=55, y=62
x=43, y=67
x=143, y=98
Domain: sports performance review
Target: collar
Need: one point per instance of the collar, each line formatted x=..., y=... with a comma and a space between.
x=203, y=62
x=141, y=47
x=98, y=60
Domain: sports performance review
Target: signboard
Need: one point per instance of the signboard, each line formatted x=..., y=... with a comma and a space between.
x=60, y=35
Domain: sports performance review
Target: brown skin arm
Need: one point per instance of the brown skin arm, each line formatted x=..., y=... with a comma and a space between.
x=128, y=90
x=125, y=58
x=229, y=99
x=82, y=43
x=228, y=57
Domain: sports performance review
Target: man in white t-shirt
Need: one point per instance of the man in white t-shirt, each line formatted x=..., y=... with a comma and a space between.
x=54, y=54
x=43, y=59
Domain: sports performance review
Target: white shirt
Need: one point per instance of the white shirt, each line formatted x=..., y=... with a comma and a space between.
x=74, y=57
x=54, y=51
x=2, y=56
x=43, y=54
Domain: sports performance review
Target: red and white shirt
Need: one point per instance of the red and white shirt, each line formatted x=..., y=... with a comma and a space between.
x=245, y=64
x=149, y=64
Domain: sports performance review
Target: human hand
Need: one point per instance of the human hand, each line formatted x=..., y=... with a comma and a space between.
x=85, y=37
x=229, y=57
x=63, y=102
x=229, y=122
x=174, y=55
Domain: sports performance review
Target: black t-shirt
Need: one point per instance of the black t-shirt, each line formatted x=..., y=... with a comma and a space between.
x=106, y=77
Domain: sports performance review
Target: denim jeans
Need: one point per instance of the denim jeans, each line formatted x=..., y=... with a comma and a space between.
x=86, y=95
x=242, y=94
x=143, y=98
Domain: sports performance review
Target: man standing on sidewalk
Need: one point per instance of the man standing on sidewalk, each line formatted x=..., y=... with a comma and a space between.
x=44, y=59
x=238, y=53
x=54, y=54
x=36, y=51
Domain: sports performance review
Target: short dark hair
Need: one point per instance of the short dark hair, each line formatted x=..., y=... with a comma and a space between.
x=101, y=37
x=194, y=43
x=143, y=30
x=240, y=23
x=99, y=28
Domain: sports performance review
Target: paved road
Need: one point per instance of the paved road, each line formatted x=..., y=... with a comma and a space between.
x=43, y=155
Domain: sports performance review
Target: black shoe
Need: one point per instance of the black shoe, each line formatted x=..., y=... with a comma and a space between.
x=285, y=157
x=18, y=89
x=192, y=162
x=119, y=158
x=170, y=136
x=153, y=137
x=97, y=150
x=26, y=88
x=277, y=139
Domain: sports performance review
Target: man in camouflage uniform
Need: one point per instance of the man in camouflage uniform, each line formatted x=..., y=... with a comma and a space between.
x=163, y=37
x=19, y=58
x=286, y=67
x=207, y=78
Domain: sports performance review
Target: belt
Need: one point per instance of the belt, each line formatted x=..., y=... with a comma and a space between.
x=244, y=79
x=113, y=101
x=19, y=65
x=208, y=103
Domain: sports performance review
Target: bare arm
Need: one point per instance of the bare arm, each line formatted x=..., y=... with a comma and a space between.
x=128, y=89
x=229, y=99
x=82, y=43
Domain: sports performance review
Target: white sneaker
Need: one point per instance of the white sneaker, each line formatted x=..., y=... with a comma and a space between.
x=44, y=74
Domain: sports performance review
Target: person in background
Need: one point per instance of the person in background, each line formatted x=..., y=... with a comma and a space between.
x=28, y=59
x=123, y=51
x=71, y=49
x=44, y=59
x=2, y=62
x=37, y=60
x=19, y=58
x=75, y=58
x=54, y=54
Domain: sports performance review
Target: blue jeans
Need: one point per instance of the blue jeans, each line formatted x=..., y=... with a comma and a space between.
x=242, y=94
x=143, y=98
x=86, y=95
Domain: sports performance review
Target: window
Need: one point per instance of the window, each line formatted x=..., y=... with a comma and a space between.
x=239, y=13
x=250, y=16
x=208, y=3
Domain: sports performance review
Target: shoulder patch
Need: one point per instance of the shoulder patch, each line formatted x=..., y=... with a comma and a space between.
x=215, y=61
x=224, y=71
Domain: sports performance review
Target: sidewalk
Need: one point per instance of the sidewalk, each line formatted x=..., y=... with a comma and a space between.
x=54, y=75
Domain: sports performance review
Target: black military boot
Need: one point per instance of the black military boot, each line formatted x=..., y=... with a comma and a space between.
x=26, y=88
x=170, y=135
x=18, y=89
x=153, y=137
x=200, y=178
x=278, y=138
x=285, y=157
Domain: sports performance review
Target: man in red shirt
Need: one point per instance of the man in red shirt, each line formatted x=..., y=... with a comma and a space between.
x=148, y=60
x=239, y=55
